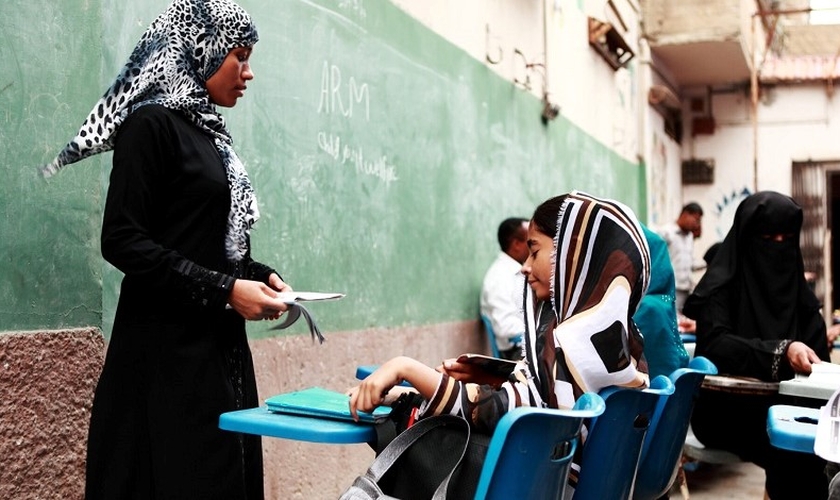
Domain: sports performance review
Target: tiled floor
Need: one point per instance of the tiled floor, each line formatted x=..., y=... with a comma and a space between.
x=732, y=481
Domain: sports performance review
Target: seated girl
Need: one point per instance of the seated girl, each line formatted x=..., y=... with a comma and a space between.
x=588, y=268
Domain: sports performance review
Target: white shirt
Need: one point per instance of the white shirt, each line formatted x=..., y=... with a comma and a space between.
x=501, y=299
x=681, y=250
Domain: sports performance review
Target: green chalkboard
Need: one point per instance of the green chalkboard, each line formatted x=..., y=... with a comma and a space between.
x=383, y=158
x=50, y=269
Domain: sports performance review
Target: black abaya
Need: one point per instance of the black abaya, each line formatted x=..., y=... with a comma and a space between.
x=177, y=358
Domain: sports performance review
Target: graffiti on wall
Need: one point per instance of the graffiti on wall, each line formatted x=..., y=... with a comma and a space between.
x=657, y=170
x=725, y=210
x=624, y=120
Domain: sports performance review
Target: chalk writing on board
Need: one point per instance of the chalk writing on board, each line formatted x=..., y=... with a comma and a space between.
x=332, y=90
x=379, y=167
x=355, y=6
x=330, y=144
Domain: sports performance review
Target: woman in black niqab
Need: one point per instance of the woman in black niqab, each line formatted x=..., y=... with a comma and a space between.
x=757, y=317
x=753, y=303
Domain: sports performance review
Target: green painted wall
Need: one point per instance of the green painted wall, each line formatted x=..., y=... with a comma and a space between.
x=50, y=272
x=383, y=158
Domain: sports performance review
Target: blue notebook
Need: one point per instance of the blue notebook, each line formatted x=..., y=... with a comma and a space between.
x=320, y=402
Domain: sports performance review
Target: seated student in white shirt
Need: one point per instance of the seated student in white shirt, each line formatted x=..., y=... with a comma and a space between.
x=503, y=287
x=680, y=236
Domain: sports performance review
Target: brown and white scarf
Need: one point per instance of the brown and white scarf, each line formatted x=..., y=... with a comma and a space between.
x=601, y=271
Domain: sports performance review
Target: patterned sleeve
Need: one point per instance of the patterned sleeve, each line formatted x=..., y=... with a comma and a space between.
x=482, y=405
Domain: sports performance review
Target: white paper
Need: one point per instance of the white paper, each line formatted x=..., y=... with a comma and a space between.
x=825, y=367
x=827, y=442
x=825, y=370
x=823, y=376
x=308, y=296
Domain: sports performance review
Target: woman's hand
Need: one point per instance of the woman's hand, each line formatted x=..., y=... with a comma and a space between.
x=801, y=357
x=685, y=324
x=466, y=372
x=276, y=283
x=254, y=300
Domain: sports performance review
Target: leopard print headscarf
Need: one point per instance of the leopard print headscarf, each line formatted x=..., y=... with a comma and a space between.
x=176, y=55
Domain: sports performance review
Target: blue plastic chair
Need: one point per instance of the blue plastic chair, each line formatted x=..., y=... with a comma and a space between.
x=531, y=451
x=613, y=447
x=491, y=337
x=664, y=442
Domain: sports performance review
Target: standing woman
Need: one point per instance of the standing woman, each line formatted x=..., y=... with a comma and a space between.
x=177, y=219
x=757, y=317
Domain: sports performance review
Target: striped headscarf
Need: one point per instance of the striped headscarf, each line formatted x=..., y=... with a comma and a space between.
x=601, y=271
x=170, y=65
x=583, y=339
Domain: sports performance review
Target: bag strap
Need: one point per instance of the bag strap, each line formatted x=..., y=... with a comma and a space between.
x=404, y=440
x=440, y=493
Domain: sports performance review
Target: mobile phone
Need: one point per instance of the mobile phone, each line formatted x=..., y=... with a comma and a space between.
x=493, y=366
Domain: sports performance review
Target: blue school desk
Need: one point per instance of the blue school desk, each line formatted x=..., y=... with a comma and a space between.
x=263, y=422
x=363, y=371
x=792, y=428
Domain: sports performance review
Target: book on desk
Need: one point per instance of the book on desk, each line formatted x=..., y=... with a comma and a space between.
x=322, y=403
x=821, y=383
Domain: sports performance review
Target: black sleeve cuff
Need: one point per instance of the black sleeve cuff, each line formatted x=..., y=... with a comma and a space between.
x=259, y=272
x=203, y=287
